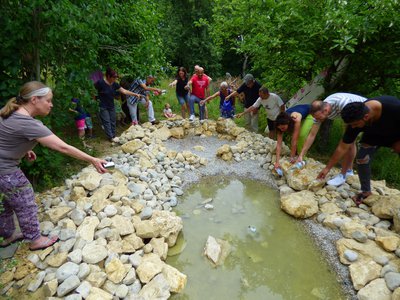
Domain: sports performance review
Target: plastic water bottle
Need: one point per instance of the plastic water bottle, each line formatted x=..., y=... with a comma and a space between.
x=252, y=231
x=299, y=165
x=279, y=171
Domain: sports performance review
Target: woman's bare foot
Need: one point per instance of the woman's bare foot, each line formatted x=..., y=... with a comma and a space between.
x=43, y=242
x=15, y=237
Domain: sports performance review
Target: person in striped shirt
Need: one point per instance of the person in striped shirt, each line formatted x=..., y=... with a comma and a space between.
x=330, y=109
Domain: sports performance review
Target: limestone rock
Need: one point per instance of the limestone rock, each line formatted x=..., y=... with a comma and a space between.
x=132, y=146
x=96, y=294
x=385, y=206
x=300, y=205
x=363, y=272
x=162, y=133
x=375, y=290
x=92, y=253
x=177, y=132
x=57, y=260
x=115, y=270
x=121, y=191
x=77, y=193
x=157, y=288
x=87, y=228
x=50, y=288
x=122, y=224
x=55, y=214
x=367, y=251
x=348, y=228
x=150, y=266
x=68, y=285
x=389, y=243
x=176, y=280
x=212, y=249
x=90, y=180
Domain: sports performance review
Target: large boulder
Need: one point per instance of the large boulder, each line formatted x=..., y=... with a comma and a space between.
x=300, y=205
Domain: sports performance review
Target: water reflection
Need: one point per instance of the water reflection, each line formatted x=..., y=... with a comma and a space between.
x=272, y=260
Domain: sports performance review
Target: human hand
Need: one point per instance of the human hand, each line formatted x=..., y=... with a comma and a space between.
x=323, y=173
x=187, y=87
x=99, y=165
x=299, y=159
x=30, y=155
x=202, y=102
x=239, y=115
x=146, y=105
x=277, y=165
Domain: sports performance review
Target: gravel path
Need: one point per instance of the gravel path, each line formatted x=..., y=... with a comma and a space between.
x=323, y=237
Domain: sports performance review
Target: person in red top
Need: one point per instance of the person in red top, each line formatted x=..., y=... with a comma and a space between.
x=199, y=83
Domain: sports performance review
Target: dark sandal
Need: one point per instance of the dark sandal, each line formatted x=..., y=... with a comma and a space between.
x=47, y=243
x=359, y=198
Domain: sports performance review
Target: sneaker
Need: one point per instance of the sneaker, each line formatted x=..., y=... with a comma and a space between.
x=191, y=118
x=155, y=122
x=339, y=179
x=349, y=173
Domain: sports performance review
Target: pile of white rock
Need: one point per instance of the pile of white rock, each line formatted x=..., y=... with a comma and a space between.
x=115, y=229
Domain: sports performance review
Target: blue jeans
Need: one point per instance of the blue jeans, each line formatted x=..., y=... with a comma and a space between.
x=194, y=99
x=108, y=120
x=182, y=99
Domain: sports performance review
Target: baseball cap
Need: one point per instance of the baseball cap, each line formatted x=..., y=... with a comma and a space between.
x=248, y=78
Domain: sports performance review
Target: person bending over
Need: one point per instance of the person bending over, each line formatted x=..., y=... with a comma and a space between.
x=377, y=118
x=296, y=121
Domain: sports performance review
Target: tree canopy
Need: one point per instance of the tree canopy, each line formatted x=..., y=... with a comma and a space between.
x=283, y=43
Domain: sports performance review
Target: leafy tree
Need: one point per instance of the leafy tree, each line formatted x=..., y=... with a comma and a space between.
x=289, y=42
x=186, y=35
x=61, y=42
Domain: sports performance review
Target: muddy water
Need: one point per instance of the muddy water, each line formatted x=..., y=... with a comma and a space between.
x=271, y=256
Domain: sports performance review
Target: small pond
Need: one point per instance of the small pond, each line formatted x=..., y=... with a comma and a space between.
x=273, y=259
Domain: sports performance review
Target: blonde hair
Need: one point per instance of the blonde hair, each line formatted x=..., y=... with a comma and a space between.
x=27, y=91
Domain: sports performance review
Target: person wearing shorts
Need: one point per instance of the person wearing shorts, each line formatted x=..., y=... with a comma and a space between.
x=182, y=94
x=83, y=119
x=272, y=104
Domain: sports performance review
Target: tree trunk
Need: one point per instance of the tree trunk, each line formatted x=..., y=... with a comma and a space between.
x=244, y=66
x=36, y=42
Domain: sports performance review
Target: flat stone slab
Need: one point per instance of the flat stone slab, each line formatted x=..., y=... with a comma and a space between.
x=9, y=251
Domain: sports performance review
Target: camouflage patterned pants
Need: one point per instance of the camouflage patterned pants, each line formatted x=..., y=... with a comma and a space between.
x=18, y=198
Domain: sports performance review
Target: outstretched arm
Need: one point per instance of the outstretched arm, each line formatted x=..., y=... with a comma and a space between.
x=233, y=94
x=209, y=98
x=309, y=141
x=247, y=110
x=296, y=131
x=55, y=143
x=127, y=92
x=278, y=149
x=341, y=149
x=149, y=88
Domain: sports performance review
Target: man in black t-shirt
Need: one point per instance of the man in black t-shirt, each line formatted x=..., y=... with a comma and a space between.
x=250, y=87
x=377, y=118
